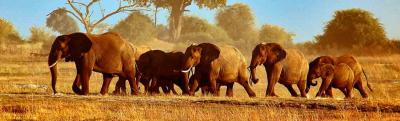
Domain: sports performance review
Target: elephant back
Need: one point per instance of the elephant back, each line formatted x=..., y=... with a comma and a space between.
x=295, y=65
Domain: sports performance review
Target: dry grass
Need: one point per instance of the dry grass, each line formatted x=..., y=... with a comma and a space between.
x=25, y=94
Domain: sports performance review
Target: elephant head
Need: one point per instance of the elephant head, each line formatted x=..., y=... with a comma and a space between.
x=319, y=67
x=266, y=54
x=71, y=47
x=202, y=54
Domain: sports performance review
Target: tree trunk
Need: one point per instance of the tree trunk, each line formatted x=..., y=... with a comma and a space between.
x=175, y=21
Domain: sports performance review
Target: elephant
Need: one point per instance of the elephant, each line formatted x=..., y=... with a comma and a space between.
x=349, y=60
x=216, y=65
x=340, y=76
x=284, y=66
x=164, y=70
x=120, y=85
x=106, y=53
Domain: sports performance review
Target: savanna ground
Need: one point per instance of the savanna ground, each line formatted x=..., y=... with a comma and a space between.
x=25, y=94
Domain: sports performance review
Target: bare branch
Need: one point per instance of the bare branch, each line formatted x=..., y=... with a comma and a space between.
x=119, y=9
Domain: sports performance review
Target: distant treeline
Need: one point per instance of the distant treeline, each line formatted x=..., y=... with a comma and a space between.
x=353, y=31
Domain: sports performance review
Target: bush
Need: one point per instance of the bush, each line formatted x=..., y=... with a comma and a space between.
x=42, y=35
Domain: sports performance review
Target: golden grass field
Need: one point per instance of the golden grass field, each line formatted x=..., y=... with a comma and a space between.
x=25, y=94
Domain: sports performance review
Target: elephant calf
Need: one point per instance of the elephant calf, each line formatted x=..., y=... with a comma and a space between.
x=339, y=76
x=316, y=70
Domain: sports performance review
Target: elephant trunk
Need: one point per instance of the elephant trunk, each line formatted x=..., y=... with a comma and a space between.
x=310, y=82
x=252, y=68
x=52, y=61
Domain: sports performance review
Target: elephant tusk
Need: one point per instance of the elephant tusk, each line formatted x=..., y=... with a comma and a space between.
x=185, y=71
x=52, y=65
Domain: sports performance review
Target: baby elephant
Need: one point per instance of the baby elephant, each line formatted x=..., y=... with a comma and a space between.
x=339, y=76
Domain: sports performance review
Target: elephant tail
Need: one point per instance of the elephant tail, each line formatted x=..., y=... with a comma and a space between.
x=366, y=78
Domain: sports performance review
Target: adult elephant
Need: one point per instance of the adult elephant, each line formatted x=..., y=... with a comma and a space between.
x=164, y=70
x=350, y=60
x=120, y=87
x=106, y=53
x=284, y=66
x=213, y=65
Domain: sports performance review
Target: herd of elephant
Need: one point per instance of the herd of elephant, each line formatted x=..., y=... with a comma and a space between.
x=202, y=66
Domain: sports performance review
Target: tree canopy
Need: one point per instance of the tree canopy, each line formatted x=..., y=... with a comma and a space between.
x=177, y=7
x=136, y=27
x=196, y=29
x=59, y=16
x=352, y=28
x=238, y=21
x=272, y=33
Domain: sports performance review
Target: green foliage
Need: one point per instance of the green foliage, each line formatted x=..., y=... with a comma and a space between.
x=8, y=33
x=276, y=34
x=61, y=22
x=238, y=21
x=137, y=28
x=42, y=34
x=352, y=29
x=201, y=3
x=198, y=30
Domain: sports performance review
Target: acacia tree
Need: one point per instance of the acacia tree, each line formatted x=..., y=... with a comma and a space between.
x=177, y=8
x=58, y=16
x=83, y=11
x=352, y=28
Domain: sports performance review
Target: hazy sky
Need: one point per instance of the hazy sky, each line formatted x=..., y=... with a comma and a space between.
x=305, y=18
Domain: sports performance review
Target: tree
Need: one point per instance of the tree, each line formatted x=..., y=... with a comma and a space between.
x=136, y=27
x=177, y=8
x=8, y=33
x=238, y=21
x=83, y=11
x=199, y=30
x=272, y=33
x=351, y=29
x=58, y=16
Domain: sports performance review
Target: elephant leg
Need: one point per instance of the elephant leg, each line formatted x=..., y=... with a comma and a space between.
x=194, y=86
x=165, y=89
x=325, y=84
x=246, y=86
x=76, y=85
x=360, y=88
x=302, y=87
x=118, y=85
x=349, y=90
x=213, y=84
x=328, y=92
x=291, y=90
x=106, y=83
x=132, y=83
x=171, y=87
x=153, y=86
x=273, y=75
x=343, y=90
x=229, y=90
x=204, y=90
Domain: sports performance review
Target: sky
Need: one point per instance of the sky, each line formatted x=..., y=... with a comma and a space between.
x=304, y=18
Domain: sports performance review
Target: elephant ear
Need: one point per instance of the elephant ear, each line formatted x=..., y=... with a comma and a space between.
x=327, y=70
x=278, y=53
x=326, y=60
x=80, y=43
x=209, y=52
